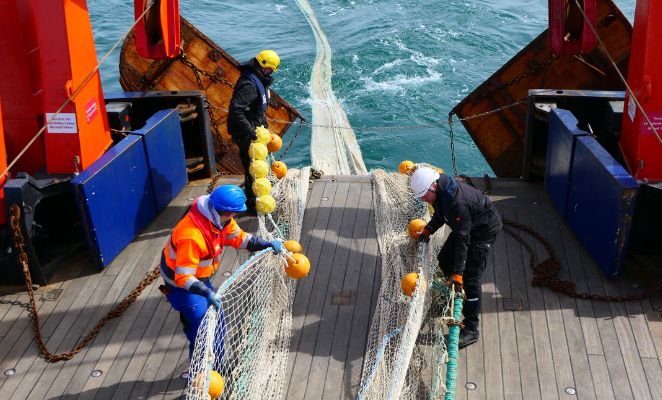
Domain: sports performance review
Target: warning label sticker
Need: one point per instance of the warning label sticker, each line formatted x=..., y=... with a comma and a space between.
x=62, y=123
x=656, y=119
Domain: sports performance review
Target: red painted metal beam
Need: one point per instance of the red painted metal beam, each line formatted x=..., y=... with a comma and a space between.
x=640, y=146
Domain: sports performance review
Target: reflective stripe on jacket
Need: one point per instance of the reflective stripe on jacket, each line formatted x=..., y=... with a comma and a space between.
x=193, y=251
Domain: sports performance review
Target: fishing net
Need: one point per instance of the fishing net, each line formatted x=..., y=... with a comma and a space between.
x=406, y=350
x=333, y=145
x=247, y=340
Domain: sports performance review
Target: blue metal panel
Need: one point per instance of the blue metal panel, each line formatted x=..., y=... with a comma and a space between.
x=162, y=139
x=600, y=204
x=115, y=198
x=560, y=149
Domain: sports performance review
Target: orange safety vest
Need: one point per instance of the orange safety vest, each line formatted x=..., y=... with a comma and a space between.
x=193, y=251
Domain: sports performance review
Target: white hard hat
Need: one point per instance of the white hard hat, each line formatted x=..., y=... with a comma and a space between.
x=422, y=179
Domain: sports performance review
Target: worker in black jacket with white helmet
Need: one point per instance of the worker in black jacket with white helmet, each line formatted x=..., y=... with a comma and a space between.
x=474, y=224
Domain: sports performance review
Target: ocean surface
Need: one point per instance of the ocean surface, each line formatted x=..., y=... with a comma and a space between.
x=398, y=66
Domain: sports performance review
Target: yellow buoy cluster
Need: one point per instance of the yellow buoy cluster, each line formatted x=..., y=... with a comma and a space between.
x=264, y=143
x=298, y=265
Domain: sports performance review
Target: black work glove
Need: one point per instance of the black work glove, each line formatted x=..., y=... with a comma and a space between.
x=424, y=236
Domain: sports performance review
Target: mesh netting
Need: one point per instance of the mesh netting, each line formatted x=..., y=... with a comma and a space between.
x=406, y=348
x=247, y=340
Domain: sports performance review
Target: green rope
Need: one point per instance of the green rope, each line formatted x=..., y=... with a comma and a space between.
x=453, y=340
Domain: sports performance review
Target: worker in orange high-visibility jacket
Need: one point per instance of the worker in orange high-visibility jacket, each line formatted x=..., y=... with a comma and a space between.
x=192, y=254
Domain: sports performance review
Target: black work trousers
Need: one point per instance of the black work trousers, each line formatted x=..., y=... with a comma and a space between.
x=244, y=143
x=479, y=250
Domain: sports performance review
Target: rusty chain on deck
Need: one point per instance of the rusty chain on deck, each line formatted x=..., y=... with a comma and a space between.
x=19, y=245
x=545, y=273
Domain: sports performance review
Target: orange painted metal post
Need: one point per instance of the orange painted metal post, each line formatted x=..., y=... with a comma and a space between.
x=640, y=146
x=77, y=136
x=158, y=33
x=3, y=165
x=20, y=88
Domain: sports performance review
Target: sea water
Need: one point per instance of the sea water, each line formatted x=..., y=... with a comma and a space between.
x=399, y=67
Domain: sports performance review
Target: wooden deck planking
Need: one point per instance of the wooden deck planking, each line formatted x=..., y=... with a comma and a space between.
x=536, y=305
x=484, y=364
x=510, y=368
x=355, y=220
x=321, y=260
x=577, y=368
x=369, y=281
x=331, y=263
x=326, y=363
x=519, y=284
x=604, y=350
x=312, y=233
x=545, y=224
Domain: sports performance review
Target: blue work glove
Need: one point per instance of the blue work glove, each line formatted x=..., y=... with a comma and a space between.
x=277, y=245
x=213, y=300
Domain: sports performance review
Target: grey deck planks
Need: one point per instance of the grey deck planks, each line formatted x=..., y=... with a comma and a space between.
x=604, y=350
x=309, y=348
x=366, y=300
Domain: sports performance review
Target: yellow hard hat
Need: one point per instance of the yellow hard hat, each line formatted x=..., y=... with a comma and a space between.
x=268, y=59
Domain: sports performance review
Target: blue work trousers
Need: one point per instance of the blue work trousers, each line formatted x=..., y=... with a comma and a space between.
x=192, y=309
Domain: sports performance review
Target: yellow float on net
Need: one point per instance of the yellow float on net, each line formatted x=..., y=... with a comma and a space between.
x=257, y=151
x=279, y=169
x=408, y=283
x=263, y=135
x=275, y=143
x=407, y=167
x=258, y=169
x=265, y=204
x=261, y=186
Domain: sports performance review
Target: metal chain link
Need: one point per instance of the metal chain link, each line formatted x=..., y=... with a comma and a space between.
x=289, y=145
x=452, y=139
x=198, y=73
x=19, y=245
x=545, y=273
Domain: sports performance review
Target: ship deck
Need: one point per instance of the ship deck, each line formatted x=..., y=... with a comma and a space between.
x=535, y=343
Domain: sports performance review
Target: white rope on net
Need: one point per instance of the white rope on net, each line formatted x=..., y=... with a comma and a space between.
x=247, y=340
x=405, y=343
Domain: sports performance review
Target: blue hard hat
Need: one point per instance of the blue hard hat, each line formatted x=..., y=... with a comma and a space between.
x=228, y=198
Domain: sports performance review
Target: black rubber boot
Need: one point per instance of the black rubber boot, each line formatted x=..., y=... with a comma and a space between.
x=467, y=337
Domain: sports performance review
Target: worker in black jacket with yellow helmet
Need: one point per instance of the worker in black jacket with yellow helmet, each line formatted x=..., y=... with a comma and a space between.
x=248, y=109
x=474, y=224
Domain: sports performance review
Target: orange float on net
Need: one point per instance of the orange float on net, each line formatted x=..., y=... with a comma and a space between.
x=298, y=266
x=279, y=169
x=415, y=228
x=275, y=143
x=293, y=246
x=216, y=385
x=408, y=283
